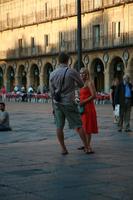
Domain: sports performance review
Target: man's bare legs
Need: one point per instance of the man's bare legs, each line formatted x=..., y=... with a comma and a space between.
x=60, y=136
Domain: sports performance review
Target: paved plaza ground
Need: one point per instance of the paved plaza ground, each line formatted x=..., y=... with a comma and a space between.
x=32, y=168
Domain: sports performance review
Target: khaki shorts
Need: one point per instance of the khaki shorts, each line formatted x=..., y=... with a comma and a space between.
x=69, y=112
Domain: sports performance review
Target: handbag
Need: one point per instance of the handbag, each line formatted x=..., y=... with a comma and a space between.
x=81, y=109
x=117, y=110
x=57, y=96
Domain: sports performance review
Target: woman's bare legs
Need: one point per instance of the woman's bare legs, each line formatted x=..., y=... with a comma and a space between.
x=81, y=133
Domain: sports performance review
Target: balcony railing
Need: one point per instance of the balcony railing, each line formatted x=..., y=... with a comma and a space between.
x=28, y=51
x=90, y=44
x=65, y=10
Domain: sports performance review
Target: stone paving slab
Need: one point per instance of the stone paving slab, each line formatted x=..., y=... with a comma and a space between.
x=32, y=168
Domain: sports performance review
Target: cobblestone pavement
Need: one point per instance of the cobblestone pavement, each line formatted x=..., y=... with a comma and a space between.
x=32, y=168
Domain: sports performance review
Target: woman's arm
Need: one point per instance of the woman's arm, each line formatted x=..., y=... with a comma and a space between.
x=93, y=94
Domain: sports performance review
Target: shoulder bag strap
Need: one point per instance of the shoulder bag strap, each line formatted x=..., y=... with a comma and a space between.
x=63, y=79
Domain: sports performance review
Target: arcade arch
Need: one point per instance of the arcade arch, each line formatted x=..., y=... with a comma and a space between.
x=48, y=68
x=34, y=76
x=116, y=68
x=22, y=76
x=1, y=78
x=97, y=68
x=130, y=68
x=10, y=79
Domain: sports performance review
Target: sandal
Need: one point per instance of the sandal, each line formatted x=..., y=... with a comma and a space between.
x=89, y=151
x=81, y=148
x=64, y=152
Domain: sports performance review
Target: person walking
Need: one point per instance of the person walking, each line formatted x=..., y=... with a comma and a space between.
x=112, y=97
x=63, y=81
x=123, y=97
x=4, y=118
x=89, y=117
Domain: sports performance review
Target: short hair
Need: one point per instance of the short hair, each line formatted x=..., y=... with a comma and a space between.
x=63, y=57
x=126, y=76
x=2, y=103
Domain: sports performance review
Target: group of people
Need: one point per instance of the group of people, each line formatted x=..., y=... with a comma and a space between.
x=27, y=94
x=63, y=81
x=122, y=96
x=24, y=94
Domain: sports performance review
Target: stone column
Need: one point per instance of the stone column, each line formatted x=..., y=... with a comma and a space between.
x=28, y=80
x=41, y=81
x=5, y=80
x=106, y=80
x=16, y=80
x=129, y=70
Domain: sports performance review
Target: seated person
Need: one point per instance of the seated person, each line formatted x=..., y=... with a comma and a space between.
x=4, y=118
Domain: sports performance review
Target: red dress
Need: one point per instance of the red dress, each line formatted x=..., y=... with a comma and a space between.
x=89, y=117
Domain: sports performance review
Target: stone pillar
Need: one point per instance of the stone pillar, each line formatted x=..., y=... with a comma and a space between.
x=28, y=80
x=129, y=70
x=5, y=80
x=41, y=82
x=16, y=81
x=106, y=80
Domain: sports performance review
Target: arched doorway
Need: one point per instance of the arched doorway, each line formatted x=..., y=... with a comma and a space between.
x=117, y=68
x=35, y=80
x=130, y=69
x=98, y=74
x=22, y=76
x=10, y=79
x=1, y=77
x=48, y=70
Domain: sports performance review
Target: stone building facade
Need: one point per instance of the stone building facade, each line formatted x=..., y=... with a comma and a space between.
x=33, y=32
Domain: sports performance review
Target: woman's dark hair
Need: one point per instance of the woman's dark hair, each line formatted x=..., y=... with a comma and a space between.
x=63, y=57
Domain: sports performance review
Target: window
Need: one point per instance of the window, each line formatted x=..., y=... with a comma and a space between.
x=61, y=38
x=116, y=29
x=7, y=18
x=46, y=9
x=32, y=42
x=20, y=45
x=46, y=40
x=119, y=29
x=96, y=35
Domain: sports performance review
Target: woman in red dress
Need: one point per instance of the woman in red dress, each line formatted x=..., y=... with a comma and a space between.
x=89, y=117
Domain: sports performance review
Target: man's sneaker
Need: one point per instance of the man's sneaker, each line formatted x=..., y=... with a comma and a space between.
x=120, y=130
